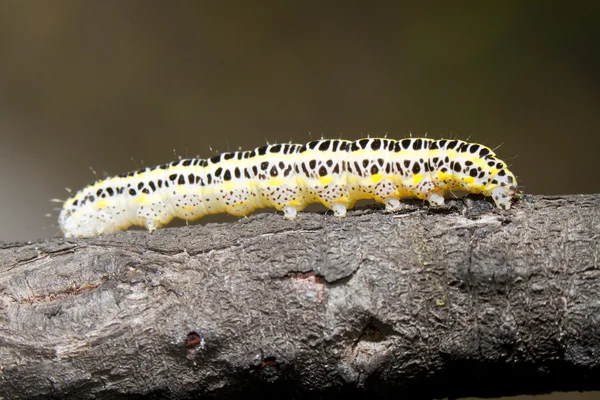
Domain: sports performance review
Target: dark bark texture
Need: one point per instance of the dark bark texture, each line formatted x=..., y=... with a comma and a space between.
x=463, y=300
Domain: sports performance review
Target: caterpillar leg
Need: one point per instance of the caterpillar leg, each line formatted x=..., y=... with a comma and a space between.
x=435, y=198
x=289, y=212
x=339, y=209
x=427, y=190
x=334, y=197
x=153, y=216
x=392, y=204
x=502, y=196
x=152, y=224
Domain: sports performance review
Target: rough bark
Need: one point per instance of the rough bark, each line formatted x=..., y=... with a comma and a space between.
x=460, y=301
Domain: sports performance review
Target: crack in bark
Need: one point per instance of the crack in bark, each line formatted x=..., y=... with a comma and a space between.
x=59, y=294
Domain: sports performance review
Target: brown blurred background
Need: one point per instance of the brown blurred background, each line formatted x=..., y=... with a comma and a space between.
x=96, y=83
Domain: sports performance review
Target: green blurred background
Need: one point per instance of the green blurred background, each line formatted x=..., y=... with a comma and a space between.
x=96, y=83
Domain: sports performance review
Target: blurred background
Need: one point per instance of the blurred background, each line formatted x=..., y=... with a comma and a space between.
x=99, y=83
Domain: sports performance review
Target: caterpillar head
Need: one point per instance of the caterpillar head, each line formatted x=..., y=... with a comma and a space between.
x=503, y=189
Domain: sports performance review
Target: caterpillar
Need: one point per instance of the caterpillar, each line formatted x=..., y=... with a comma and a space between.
x=288, y=177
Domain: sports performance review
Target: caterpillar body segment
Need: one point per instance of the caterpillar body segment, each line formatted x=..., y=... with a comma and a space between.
x=288, y=177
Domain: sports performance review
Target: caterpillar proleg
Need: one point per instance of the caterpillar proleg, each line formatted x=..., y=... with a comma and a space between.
x=288, y=177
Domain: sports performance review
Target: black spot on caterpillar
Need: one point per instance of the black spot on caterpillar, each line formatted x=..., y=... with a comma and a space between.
x=336, y=173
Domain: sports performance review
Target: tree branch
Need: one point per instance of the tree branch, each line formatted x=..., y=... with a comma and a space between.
x=463, y=300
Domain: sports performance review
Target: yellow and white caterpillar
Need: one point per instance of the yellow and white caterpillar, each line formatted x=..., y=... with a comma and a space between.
x=288, y=177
